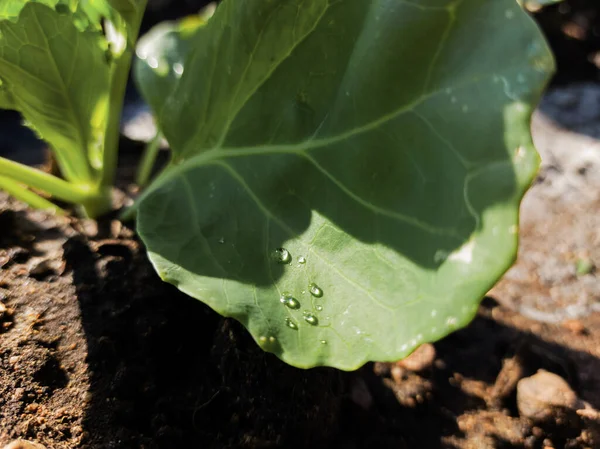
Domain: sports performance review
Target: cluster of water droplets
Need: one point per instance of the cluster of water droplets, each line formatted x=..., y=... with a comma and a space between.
x=264, y=340
x=159, y=64
x=284, y=257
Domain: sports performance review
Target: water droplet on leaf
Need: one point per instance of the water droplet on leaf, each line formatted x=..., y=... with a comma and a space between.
x=221, y=240
x=302, y=259
x=289, y=323
x=315, y=290
x=323, y=342
x=289, y=301
x=319, y=308
x=282, y=256
x=178, y=69
x=311, y=319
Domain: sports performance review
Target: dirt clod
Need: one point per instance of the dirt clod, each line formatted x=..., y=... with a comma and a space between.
x=540, y=396
x=421, y=359
x=506, y=382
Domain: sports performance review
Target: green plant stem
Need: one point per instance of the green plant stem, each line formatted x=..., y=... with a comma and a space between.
x=111, y=138
x=118, y=84
x=148, y=160
x=21, y=192
x=73, y=165
x=56, y=187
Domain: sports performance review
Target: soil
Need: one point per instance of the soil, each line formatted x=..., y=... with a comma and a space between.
x=96, y=352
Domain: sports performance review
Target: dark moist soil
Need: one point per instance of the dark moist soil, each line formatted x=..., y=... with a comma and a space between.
x=572, y=28
x=96, y=352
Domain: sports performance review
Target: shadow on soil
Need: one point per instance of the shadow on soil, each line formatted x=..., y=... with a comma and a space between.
x=168, y=372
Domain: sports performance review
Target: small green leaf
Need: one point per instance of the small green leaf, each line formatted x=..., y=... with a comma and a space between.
x=365, y=158
x=584, y=266
x=58, y=79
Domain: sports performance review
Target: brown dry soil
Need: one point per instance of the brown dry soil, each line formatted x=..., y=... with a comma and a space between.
x=96, y=352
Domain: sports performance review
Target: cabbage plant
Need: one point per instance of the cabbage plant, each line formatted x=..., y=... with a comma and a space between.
x=346, y=174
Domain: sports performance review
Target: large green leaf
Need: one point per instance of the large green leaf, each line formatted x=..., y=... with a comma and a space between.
x=58, y=78
x=380, y=147
x=6, y=100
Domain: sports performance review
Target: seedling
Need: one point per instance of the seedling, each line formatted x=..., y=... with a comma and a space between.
x=346, y=175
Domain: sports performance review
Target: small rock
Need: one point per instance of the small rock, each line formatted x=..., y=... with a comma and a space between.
x=32, y=408
x=24, y=444
x=420, y=360
x=541, y=395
